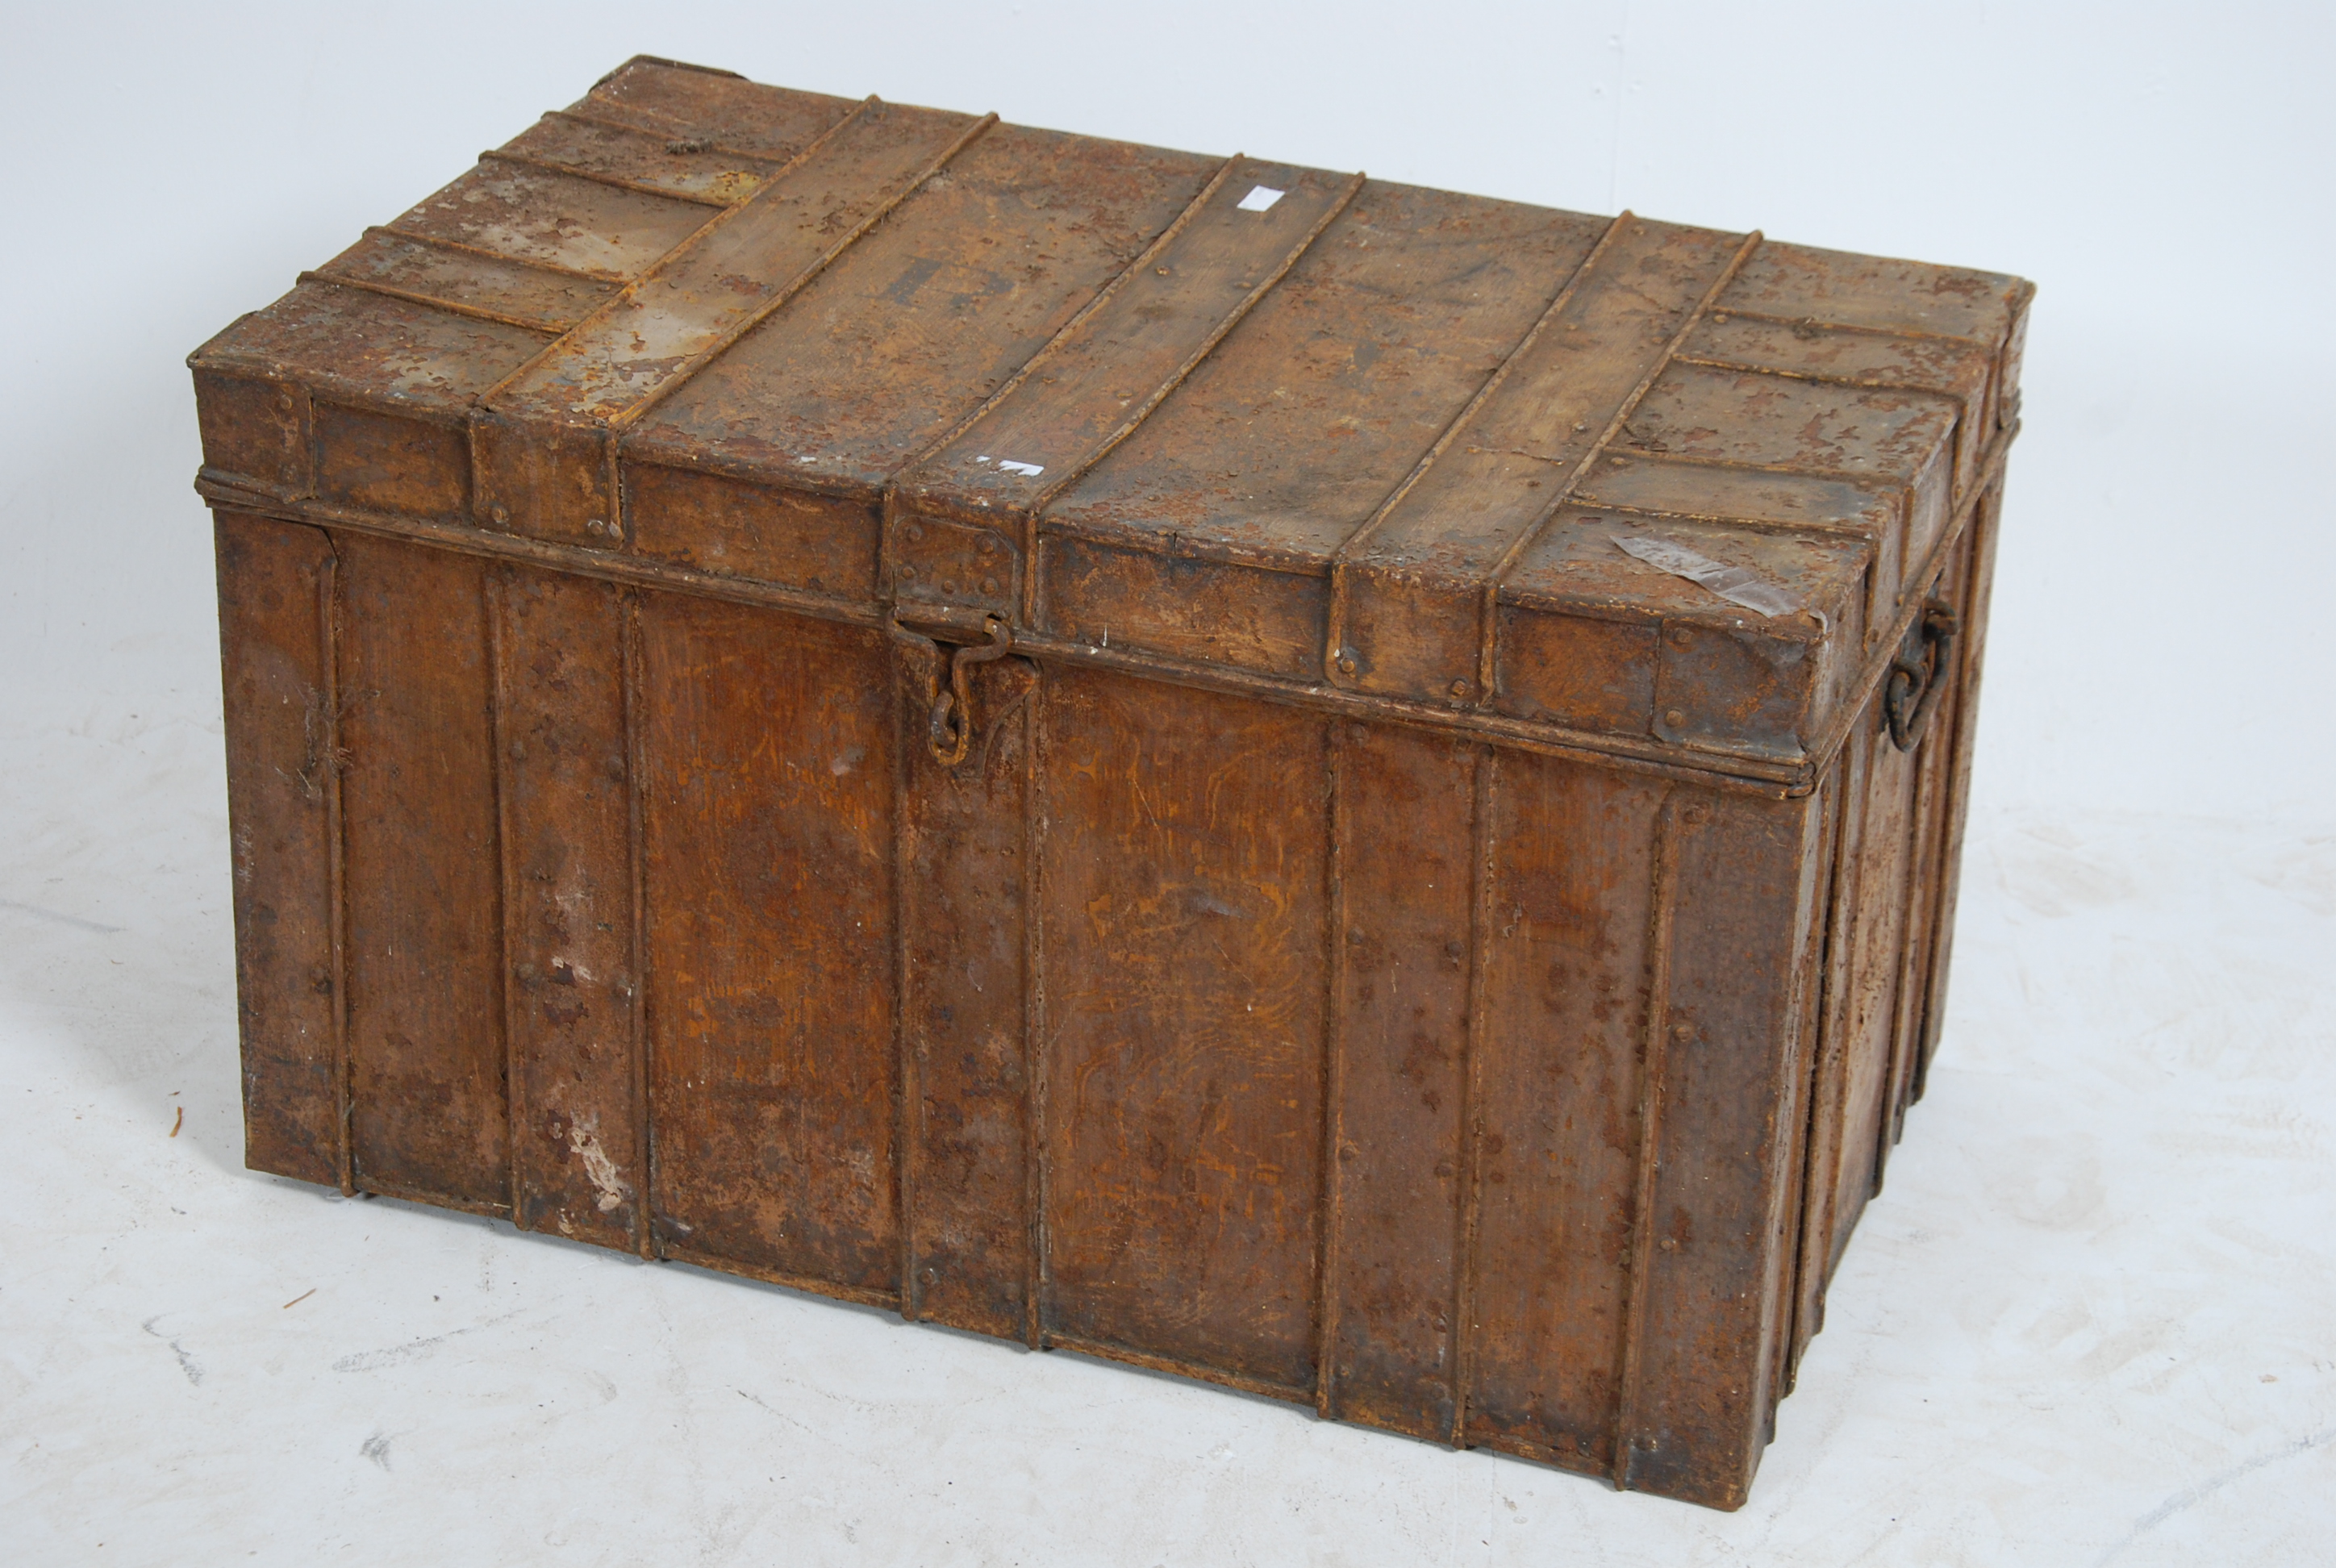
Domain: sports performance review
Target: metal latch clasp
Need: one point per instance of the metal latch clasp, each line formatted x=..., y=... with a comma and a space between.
x=950, y=730
x=1911, y=694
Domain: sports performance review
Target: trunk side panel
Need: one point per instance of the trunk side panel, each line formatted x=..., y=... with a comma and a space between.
x=274, y=580
x=576, y=1161
x=1558, y=1092
x=424, y=948
x=1406, y=882
x=1183, y=896
x=768, y=842
x=1746, y=892
x=1885, y=861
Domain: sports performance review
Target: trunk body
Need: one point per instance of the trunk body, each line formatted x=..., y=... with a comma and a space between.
x=1270, y=893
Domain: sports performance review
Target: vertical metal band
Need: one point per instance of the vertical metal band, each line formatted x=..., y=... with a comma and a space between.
x=1483, y=846
x=1816, y=1178
x=1489, y=610
x=499, y=756
x=336, y=900
x=1333, y=1090
x=1654, y=1055
x=1039, y=1277
x=907, y=1090
x=1336, y=635
x=636, y=719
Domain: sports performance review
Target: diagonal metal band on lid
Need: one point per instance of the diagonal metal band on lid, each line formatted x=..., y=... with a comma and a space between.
x=1110, y=368
x=544, y=441
x=1414, y=611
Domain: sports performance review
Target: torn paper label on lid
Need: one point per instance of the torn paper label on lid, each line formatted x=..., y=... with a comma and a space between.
x=1032, y=469
x=1259, y=198
x=1736, y=584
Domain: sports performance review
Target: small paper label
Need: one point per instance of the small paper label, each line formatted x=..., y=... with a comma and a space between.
x=1259, y=198
x=1733, y=583
x=1032, y=469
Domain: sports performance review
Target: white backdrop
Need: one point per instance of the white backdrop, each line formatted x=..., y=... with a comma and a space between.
x=2145, y=948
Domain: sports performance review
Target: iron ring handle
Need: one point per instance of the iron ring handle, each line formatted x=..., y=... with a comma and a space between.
x=1910, y=695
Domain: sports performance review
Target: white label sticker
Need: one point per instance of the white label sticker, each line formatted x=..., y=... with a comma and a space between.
x=1259, y=198
x=1736, y=584
x=1032, y=469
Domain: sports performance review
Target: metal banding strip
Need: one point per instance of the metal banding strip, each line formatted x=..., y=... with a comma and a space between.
x=1805, y=1273
x=599, y=379
x=1074, y=325
x=1652, y=1060
x=616, y=181
x=1326, y=1294
x=1793, y=470
x=1070, y=329
x=1739, y=312
x=1127, y=428
x=494, y=612
x=434, y=301
x=328, y=630
x=1484, y=846
x=1417, y=589
x=907, y=1086
x=607, y=279
x=703, y=143
x=1863, y=383
x=1037, y=1275
x=765, y=167
x=629, y=657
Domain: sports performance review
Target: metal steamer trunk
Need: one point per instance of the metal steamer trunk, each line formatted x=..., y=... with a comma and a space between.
x=1339, y=788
